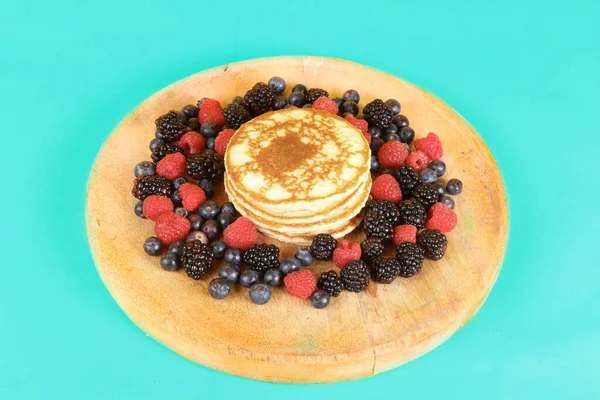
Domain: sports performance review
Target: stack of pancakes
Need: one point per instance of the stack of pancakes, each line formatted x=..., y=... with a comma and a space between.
x=299, y=172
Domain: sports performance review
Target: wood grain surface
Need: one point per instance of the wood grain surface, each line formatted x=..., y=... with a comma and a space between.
x=287, y=340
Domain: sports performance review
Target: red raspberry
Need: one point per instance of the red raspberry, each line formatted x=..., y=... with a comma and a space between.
x=241, y=234
x=368, y=137
x=405, y=233
x=392, y=154
x=386, y=187
x=211, y=112
x=324, y=104
x=154, y=206
x=192, y=196
x=346, y=252
x=192, y=143
x=418, y=160
x=222, y=141
x=441, y=218
x=430, y=145
x=171, y=227
x=361, y=124
x=301, y=283
x=171, y=166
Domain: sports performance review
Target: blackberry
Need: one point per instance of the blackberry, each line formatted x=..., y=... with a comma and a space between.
x=261, y=257
x=412, y=212
x=206, y=165
x=408, y=179
x=378, y=114
x=148, y=185
x=196, y=259
x=236, y=115
x=258, y=99
x=384, y=209
x=433, y=242
x=314, y=93
x=169, y=126
x=427, y=194
x=371, y=248
x=410, y=256
x=378, y=227
x=331, y=283
x=355, y=276
x=385, y=269
x=161, y=151
x=322, y=246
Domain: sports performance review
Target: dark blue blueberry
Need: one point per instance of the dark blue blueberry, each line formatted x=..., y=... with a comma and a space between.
x=374, y=164
x=391, y=129
x=182, y=211
x=225, y=220
x=191, y=111
x=376, y=145
x=210, y=143
x=156, y=143
x=350, y=107
x=428, y=175
x=138, y=209
x=211, y=228
x=391, y=137
x=273, y=277
x=297, y=99
x=438, y=166
x=406, y=134
x=219, y=288
x=304, y=256
x=440, y=188
x=182, y=117
x=201, y=101
x=209, y=209
x=209, y=129
x=249, y=277
x=197, y=235
x=308, y=105
x=177, y=182
x=276, y=84
x=394, y=105
x=153, y=246
x=218, y=249
x=279, y=102
x=144, y=168
x=448, y=202
x=228, y=208
x=400, y=121
x=169, y=262
x=194, y=124
x=230, y=272
x=320, y=299
x=176, y=198
x=454, y=186
x=239, y=100
x=299, y=88
x=260, y=293
x=233, y=256
x=375, y=132
x=351, y=95
x=338, y=103
x=290, y=264
x=208, y=187
x=196, y=221
x=176, y=248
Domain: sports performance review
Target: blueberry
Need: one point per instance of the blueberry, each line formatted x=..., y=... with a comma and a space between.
x=304, y=256
x=228, y=208
x=176, y=198
x=182, y=211
x=176, y=248
x=209, y=209
x=249, y=277
x=156, y=143
x=454, y=187
x=225, y=220
x=279, y=102
x=351, y=95
x=350, y=107
x=210, y=143
x=376, y=145
x=375, y=132
x=438, y=166
x=196, y=222
x=440, y=188
x=194, y=124
x=394, y=105
x=400, y=121
x=144, y=168
x=288, y=106
x=391, y=129
x=374, y=166
x=139, y=209
x=169, y=262
x=212, y=229
x=177, y=182
x=406, y=134
x=219, y=288
x=153, y=246
x=201, y=101
x=197, y=235
x=218, y=249
x=448, y=202
x=320, y=299
x=182, y=117
x=428, y=175
x=233, y=256
x=299, y=88
x=290, y=264
x=208, y=187
x=391, y=137
x=239, y=100
x=273, y=277
x=277, y=84
x=230, y=272
x=191, y=111
x=308, y=105
x=297, y=99
x=209, y=129
x=260, y=293
x=338, y=103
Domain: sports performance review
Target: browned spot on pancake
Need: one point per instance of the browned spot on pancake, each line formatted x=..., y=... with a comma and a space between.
x=285, y=154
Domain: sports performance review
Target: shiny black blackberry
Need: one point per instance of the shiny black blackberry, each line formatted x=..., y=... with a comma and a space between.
x=378, y=114
x=236, y=115
x=196, y=259
x=169, y=126
x=371, y=248
x=148, y=185
x=261, y=257
x=412, y=212
x=355, y=276
x=427, y=194
x=384, y=209
x=378, y=227
x=161, y=151
x=385, y=269
x=331, y=283
x=206, y=165
x=410, y=257
x=322, y=246
x=314, y=93
x=433, y=242
x=408, y=179
x=258, y=99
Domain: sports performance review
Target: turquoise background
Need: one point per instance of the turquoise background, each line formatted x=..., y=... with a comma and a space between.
x=524, y=73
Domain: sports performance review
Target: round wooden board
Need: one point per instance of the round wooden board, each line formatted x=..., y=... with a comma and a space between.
x=288, y=340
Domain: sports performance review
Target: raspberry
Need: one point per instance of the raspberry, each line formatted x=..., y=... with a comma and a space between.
x=222, y=141
x=154, y=206
x=430, y=145
x=171, y=166
x=405, y=233
x=368, y=137
x=439, y=217
x=301, y=284
x=324, y=104
x=345, y=253
x=241, y=234
x=211, y=112
x=192, y=143
x=392, y=154
x=418, y=160
x=192, y=196
x=171, y=227
x=386, y=187
x=361, y=124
